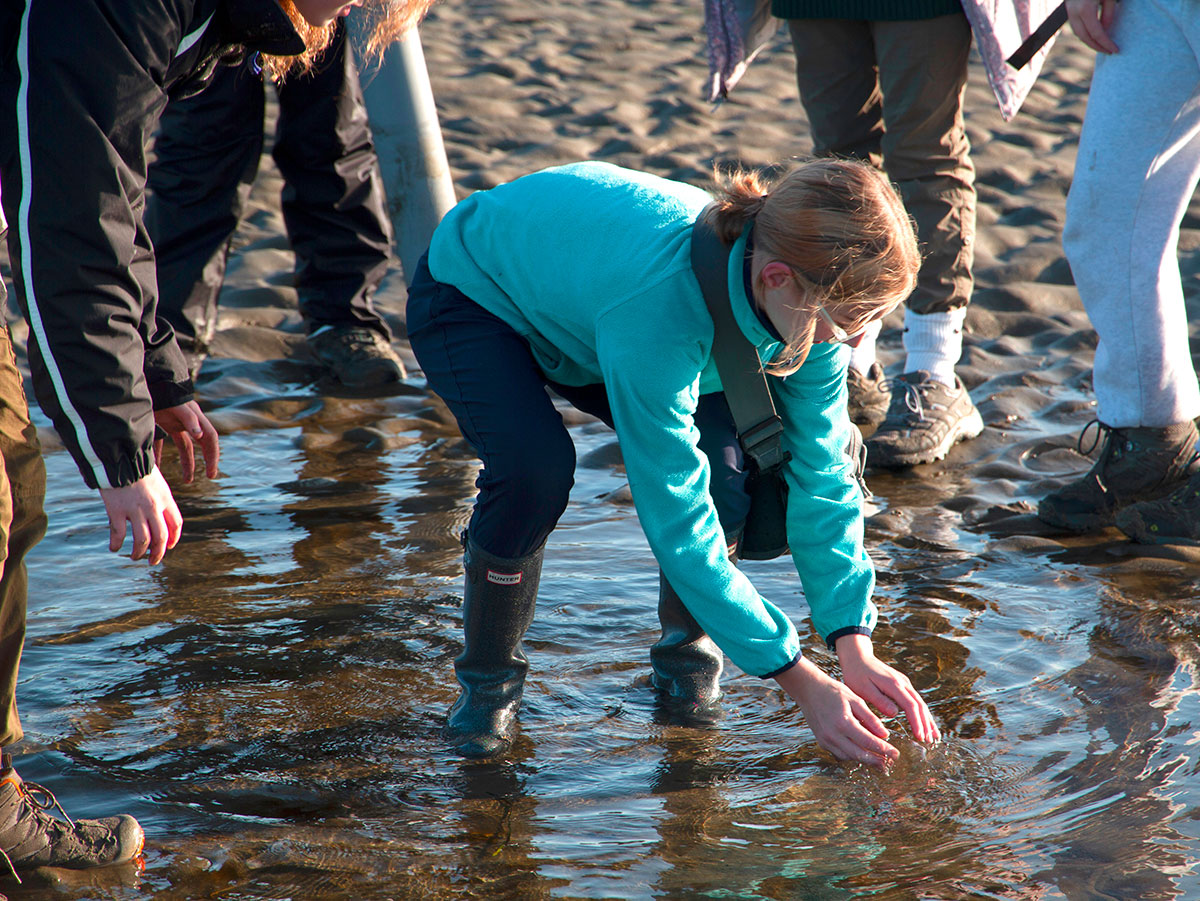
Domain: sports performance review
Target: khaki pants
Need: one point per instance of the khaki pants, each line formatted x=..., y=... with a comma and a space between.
x=22, y=524
x=891, y=93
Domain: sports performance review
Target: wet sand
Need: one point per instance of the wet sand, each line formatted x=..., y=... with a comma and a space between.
x=268, y=700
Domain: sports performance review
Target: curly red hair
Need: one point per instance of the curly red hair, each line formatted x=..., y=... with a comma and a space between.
x=390, y=20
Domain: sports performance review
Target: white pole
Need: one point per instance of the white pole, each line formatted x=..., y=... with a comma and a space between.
x=408, y=140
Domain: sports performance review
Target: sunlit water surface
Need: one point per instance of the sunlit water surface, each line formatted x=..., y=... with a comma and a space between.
x=268, y=701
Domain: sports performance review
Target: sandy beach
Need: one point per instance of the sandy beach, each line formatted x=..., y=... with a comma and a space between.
x=268, y=701
x=520, y=88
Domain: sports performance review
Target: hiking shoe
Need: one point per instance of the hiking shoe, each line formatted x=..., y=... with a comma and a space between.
x=870, y=395
x=1174, y=519
x=30, y=837
x=1136, y=464
x=359, y=357
x=923, y=422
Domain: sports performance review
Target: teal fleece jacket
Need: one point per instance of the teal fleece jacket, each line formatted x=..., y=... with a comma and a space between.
x=590, y=263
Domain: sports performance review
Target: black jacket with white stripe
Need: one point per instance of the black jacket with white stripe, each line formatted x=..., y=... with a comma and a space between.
x=82, y=85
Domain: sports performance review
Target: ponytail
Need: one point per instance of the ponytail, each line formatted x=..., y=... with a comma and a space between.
x=741, y=196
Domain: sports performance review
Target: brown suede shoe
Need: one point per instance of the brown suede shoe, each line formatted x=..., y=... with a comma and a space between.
x=31, y=837
x=869, y=395
x=925, y=420
x=357, y=356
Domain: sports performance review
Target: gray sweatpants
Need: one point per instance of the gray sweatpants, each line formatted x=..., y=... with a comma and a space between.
x=1138, y=165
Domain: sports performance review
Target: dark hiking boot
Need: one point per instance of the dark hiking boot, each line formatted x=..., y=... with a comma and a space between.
x=925, y=419
x=498, y=605
x=1136, y=464
x=869, y=395
x=1174, y=519
x=30, y=837
x=358, y=357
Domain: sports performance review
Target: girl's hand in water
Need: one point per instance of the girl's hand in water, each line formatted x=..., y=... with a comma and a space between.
x=884, y=688
x=188, y=427
x=841, y=721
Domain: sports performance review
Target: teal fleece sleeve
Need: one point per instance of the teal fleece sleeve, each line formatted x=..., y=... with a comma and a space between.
x=653, y=389
x=824, y=516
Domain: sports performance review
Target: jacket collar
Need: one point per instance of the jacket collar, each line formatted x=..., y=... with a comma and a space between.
x=260, y=25
x=745, y=313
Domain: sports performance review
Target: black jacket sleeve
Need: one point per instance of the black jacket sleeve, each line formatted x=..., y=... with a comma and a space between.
x=82, y=85
x=79, y=94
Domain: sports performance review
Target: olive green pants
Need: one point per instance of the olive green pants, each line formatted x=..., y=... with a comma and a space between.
x=22, y=524
x=891, y=93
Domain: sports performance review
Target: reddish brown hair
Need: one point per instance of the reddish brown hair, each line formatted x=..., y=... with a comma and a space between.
x=390, y=20
x=840, y=226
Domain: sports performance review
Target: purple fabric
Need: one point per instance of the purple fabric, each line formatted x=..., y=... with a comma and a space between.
x=735, y=31
x=1000, y=27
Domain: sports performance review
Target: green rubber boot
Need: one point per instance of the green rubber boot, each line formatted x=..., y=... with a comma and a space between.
x=498, y=605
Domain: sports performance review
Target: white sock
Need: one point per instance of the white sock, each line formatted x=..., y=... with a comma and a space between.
x=862, y=355
x=933, y=342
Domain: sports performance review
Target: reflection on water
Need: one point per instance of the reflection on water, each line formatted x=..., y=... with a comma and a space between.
x=268, y=701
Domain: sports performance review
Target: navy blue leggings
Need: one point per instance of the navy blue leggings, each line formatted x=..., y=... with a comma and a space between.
x=486, y=374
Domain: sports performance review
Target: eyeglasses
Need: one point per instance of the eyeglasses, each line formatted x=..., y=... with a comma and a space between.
x=839, y=333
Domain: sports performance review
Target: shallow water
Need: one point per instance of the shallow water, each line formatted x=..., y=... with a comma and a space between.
x=268, y=700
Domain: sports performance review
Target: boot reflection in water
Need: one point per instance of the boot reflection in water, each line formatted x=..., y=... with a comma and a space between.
x=499, y=598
